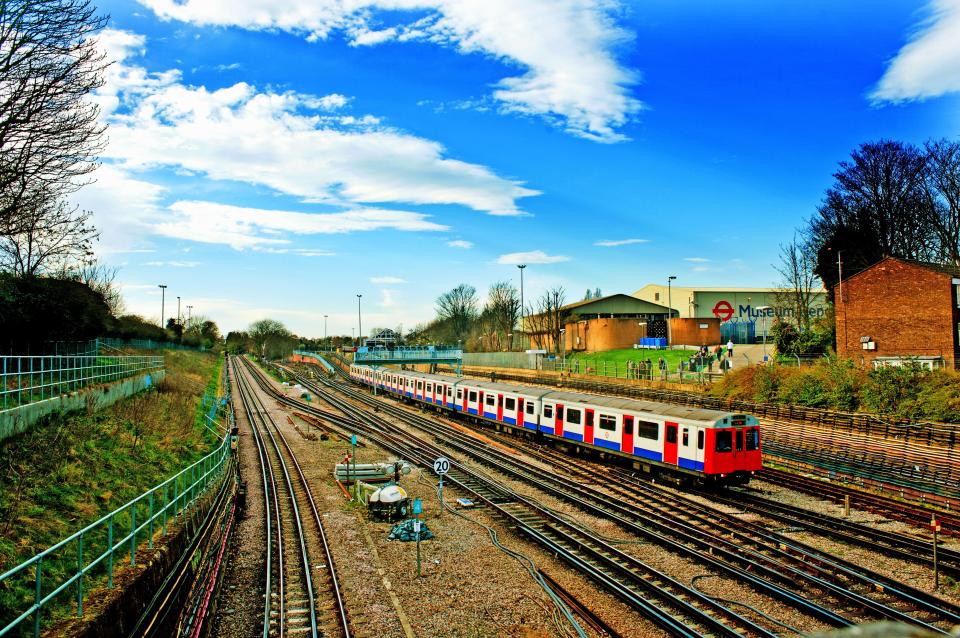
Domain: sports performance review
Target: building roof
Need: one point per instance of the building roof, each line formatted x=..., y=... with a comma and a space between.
x=715, y=289
x=942, y=269
x=638, y=305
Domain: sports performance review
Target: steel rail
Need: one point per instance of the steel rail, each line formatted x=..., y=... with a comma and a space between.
x=623, y=575
x=337, y=595
x=920, y=600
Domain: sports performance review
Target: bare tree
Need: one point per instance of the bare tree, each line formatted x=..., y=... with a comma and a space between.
x=100, y=278
x=458, y=308
x=49, y=131
x=797, y=281
x=943, y=183
x=270, y=337
x=545, y=323
x=503, y=309
x=52, y=235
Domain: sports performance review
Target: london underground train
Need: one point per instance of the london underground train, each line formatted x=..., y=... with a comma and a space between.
x=689, y=444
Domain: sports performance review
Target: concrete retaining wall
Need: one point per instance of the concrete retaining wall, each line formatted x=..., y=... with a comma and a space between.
x=502, y=360
x=97, y=397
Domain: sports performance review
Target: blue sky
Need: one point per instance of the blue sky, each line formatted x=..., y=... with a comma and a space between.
x=277, y=157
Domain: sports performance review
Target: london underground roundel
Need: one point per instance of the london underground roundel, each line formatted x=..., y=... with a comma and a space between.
x=723, y=310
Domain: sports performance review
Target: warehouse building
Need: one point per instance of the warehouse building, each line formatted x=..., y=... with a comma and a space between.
x=745, y=314
x=899, y=310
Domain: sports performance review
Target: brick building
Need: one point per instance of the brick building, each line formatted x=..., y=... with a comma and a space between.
x=604, y=323
x=897, y=310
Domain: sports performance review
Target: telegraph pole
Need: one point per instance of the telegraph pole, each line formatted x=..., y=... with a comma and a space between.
x=359, y=322
x=670, y=315
x=521, y=267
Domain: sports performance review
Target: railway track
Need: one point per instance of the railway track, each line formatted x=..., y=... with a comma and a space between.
x=771, y=562
x=292, y=606
x=892, y=509
x=676, y=607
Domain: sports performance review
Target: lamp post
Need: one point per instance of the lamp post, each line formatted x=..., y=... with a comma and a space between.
x=521, y=267
x=764, y=310
x=670, y=311
x=163, y=297
x=189, y=314
x=359, y=322
x=179, y=316
x=563, y=350
x=325, y=328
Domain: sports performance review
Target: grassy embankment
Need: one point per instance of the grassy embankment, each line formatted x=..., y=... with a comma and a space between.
x=619, y=358
x=907, y=392
x=68, y=471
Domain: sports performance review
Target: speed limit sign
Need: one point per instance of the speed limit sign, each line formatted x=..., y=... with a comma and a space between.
x=441, y=466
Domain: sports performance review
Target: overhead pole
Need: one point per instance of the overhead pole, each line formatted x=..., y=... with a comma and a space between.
x=163, y=297
x=670, y=309
x=521, y=267
x=359, y=322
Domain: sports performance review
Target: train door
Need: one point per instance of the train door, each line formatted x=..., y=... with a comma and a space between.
x=627, y=445
x=480, y=403
x=499, y=407
x=670, y=444
x=466, y=405
x=738, y=455
x=520, y=412
x=558, y=420
x=588, y=427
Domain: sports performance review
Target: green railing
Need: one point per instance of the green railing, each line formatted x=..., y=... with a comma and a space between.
x=25, y=379
x=94, y=550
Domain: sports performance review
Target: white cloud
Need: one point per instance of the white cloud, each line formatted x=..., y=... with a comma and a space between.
x=124, y=208
x=696, y=260
x=620, y=242
x=281, y=141
x=532, y=257
x=387, y=280
x=263, y=229
x=388, y=298
x=173, y=264
x=929, y=64
x=565, y=48
x=460, y=243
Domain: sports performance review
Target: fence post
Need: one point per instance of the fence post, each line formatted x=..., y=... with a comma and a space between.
x=80, y=576
x=133, y=534
x=110, y=556
x=36, y=599
x=166, y=506
x=150, y=526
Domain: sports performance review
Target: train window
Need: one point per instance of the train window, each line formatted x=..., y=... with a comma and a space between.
x=530, y=408
x=589, y=418
x=429, y=387
x=548, y=411
x=473, y=396
x=724, y=440
x=573, y=417
x=500, y=400
x=459, y=393
x=739, y=440
x=753, y=439
x=686, y=437
x=700, y=440
x=510, y=404
x=608, y=423
x=449, y=391
x=671, y=434
x=419, y=385
x=648, y=430
x=490, y=399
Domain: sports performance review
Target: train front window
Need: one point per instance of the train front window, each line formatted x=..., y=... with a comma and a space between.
x=739, y=440
x=724, y=440
x=753, y=439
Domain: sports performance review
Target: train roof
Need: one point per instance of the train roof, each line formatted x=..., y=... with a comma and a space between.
x=613, y=402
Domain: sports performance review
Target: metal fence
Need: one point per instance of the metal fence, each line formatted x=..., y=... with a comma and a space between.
x=93, y=551
x=147, y=344
x=25, y=379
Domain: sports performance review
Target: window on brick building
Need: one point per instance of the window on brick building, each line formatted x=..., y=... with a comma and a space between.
x=956, y=294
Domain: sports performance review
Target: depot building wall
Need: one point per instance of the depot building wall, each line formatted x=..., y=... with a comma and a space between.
x=605, y=333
